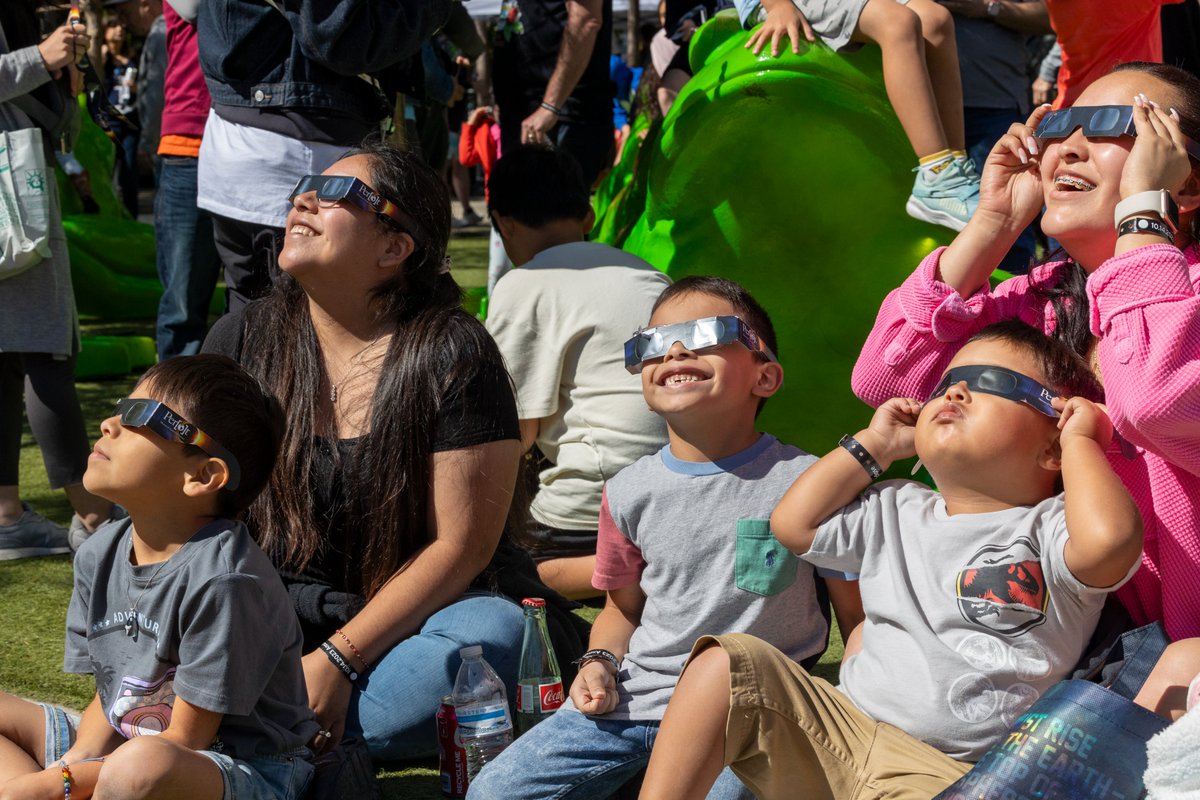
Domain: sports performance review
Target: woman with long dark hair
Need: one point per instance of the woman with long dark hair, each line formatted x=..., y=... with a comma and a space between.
x=39, y=336
x=387, y=512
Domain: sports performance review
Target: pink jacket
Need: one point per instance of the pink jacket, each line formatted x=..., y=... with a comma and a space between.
x=1145, y=307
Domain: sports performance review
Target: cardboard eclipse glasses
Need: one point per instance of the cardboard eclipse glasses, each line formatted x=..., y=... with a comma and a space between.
x=696, y=334
x=172, y=427
x=335, y=188
x=1002, y=383
x=1096, y=121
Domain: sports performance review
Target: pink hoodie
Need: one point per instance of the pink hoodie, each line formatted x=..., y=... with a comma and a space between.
x=1145, y=307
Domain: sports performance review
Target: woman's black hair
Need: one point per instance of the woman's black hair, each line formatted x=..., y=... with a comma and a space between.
x=435, y=346
x=1062, y=368
x=1068, y=296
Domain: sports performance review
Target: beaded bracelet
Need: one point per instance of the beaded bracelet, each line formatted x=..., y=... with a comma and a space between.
x=338, y=660
x=353, y=649
x=67, y=777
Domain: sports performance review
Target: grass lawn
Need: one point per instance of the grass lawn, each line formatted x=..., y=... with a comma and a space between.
x=35, y=592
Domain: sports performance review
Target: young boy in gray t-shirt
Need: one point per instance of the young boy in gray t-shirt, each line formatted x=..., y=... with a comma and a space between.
x=978, y=598
x=684, y=548
x=177, y=613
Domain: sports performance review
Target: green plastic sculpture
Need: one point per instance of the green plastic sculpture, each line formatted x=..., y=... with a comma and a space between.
x=788, y=175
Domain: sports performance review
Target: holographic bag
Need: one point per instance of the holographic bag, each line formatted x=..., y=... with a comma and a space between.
x=1078, y=740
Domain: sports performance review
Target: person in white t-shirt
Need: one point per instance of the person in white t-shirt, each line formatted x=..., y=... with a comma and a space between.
x=561, y=321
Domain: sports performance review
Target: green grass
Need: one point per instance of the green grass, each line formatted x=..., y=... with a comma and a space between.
x=35, y=592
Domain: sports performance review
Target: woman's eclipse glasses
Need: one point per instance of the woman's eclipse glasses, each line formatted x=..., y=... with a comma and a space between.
x=1096, y=122
x=332, y=189
x=174, y=428
x=1002, y=383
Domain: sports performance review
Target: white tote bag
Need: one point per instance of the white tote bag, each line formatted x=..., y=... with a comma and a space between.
x=24, y=201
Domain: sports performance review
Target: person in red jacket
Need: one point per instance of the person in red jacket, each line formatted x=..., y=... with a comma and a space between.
x=480, y=144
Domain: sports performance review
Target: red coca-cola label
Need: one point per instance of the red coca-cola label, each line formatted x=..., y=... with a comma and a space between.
x=551, y=695
x=452, y=757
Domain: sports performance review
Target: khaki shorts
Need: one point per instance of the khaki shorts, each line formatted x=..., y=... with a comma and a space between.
x=792, y=735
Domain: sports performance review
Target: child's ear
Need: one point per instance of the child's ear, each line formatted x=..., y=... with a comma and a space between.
x=210, y=478
x=1051, y=457
x=770, y=379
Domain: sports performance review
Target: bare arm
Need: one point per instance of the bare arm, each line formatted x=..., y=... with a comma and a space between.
x=1103, y=524
x=837, y=479
x=469, y=498
x=584, y=20
x=1023, y=16
x=595, y=688
x=846, y=600
x=529, y=433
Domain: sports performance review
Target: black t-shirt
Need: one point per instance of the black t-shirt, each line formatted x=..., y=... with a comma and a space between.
x=481, y=409
x=524, y=63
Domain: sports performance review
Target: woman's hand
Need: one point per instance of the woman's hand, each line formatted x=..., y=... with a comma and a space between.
x=328, y=697
x=894, y=429
x=63, y=47
x=783, y=19
x=1010, y=188
x=1159, y=158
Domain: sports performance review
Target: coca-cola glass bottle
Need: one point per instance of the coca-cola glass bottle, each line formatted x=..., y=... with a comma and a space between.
x=539, y=683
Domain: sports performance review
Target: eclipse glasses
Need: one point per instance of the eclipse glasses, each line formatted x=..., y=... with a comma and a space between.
x=335, y=188
x=1002, y=383
x=172, y=427
x=1096, y=121
x=696, y=334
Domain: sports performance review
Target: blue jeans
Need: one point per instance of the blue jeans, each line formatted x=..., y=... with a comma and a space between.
x=984, y=127
x=393, y=706
x=188, y=266
x=576, y=757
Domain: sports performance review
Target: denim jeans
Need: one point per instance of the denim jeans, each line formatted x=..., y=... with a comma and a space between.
x=984, y=127
x=571, y=756
x=394, y=704
x=188, y=266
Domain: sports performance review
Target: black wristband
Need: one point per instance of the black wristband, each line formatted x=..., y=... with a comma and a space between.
x=338, y=660
x=1146, y=225
x=599, y=654
x=552, y=109
x=861, y=455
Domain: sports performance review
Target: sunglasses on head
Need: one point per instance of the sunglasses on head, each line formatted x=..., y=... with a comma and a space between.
x=336, y=188
x=1002, y=383
x=174, y=428
x=1096, y=121
x=696, y=334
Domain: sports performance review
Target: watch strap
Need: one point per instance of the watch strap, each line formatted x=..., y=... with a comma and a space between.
x=1146, y=225
x=1157, y=202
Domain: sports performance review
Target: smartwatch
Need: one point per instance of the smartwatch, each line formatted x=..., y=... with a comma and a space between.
x=1157, y=202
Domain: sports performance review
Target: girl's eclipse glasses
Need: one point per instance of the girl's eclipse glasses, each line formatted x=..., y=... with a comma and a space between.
x=172, y=427
x=1002, y=383
x=333, y=189
x=1096, y=121
x=696, y=334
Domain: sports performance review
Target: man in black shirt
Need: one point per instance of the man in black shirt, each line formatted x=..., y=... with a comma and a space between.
x=551, y=79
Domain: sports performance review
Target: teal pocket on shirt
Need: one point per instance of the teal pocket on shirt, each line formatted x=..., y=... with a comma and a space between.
x=762, y=565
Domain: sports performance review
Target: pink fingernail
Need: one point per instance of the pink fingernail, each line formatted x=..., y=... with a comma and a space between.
x=1021, y=155
x=1032, y=142
x=1174, y=115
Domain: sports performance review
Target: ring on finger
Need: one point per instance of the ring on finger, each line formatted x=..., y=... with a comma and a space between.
x=324, y=734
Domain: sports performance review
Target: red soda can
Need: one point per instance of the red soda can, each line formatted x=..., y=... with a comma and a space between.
x=452, y=756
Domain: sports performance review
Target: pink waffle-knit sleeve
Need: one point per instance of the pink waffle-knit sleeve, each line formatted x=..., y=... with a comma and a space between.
x=1146, y=310
x=619, y=562
x=923, y=323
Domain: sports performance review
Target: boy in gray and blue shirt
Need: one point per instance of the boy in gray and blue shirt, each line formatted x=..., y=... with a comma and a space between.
x=684, y=548
x=177, y=613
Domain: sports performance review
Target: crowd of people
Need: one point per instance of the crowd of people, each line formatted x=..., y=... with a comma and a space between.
x=286, y=532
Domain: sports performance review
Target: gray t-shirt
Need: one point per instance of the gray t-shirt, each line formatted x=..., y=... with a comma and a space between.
x=213, y=626
x=969, y=617
x=696, y=538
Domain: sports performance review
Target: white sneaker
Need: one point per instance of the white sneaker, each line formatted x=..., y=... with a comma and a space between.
x=78, y=532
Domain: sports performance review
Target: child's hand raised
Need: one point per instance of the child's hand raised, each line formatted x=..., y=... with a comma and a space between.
x=783, y=19
x=594, y=690
x=1011, y=184
x=1081, y=417
x=894, y=429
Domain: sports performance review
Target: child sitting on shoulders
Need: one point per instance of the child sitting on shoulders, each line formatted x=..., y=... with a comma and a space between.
x=977, y=598
x=920, y=73
x=177, y=613
x=684, y=546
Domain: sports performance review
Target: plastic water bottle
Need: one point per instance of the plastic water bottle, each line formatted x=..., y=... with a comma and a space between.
x=481, y=705
x=539, y=683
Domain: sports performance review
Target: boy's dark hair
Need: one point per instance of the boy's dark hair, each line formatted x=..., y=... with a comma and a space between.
x=747, y=308
x=1063, y=369
x=536, y=184
x=216, y=395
